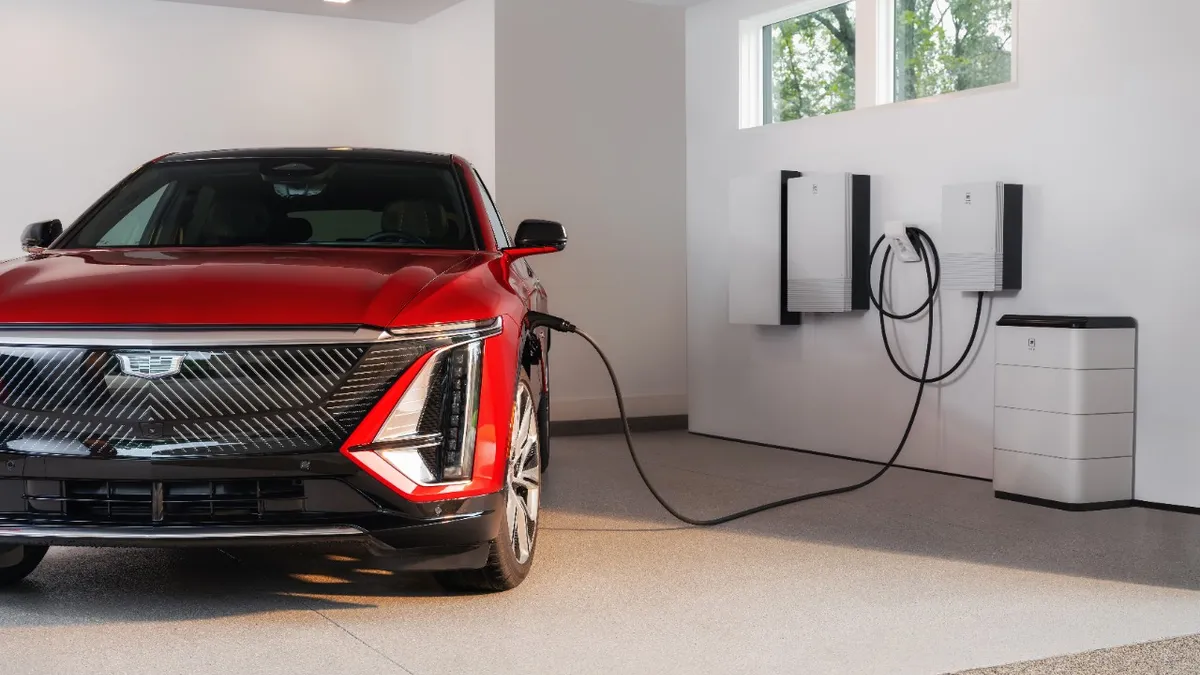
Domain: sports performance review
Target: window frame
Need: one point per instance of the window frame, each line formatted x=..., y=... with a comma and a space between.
x=875, y=56
x=495, y=220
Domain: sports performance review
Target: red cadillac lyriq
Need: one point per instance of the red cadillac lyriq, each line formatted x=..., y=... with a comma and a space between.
x=275, y=346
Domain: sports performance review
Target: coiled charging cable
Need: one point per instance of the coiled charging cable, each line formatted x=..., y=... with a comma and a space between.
x=933, y=281
x=920, y=239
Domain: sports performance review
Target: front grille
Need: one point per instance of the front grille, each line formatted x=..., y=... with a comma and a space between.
x=227, y=401
x=224, y=383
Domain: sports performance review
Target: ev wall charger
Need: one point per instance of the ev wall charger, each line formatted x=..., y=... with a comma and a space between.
x=828, y=224
x=982, y=233
x=798, y=242
x=896, y=233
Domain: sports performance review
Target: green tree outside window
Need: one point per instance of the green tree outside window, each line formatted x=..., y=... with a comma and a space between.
x=951, y=45
x=941, y=46
x=811, y=64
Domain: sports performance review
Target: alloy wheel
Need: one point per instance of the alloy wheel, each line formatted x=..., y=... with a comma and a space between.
x=524, y=478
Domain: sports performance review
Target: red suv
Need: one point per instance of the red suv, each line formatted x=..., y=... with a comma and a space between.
x=273, y=346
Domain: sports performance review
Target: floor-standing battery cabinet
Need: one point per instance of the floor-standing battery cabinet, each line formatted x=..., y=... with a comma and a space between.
x=1064, y=420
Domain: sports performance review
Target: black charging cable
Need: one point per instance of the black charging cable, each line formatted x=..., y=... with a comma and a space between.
x=538, y=319
x=920, y=240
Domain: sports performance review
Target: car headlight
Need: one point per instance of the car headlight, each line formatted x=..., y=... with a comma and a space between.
x=430, y=434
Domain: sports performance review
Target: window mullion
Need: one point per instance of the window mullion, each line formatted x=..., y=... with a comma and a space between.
x=867, y=39
x=768, y=69
x=884, y=40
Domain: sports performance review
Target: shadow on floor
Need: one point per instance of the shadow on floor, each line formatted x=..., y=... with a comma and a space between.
x=78, y=585
x=905, y=512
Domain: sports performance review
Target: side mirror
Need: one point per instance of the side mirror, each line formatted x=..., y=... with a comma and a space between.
x=535, y=237
x=38, y=236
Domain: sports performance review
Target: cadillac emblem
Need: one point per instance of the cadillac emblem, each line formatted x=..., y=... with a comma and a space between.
x=151, y=365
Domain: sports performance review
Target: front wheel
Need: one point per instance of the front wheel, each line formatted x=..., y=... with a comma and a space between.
x=18, y=562
x=511, y=554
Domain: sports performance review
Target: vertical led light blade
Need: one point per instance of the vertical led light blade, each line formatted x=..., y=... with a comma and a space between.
x=467, y=376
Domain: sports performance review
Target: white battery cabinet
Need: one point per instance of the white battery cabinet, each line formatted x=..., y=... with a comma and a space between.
x=1064, y=413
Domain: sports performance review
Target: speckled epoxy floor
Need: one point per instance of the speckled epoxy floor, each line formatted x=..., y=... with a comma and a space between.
x=918, y=573
x=1178, y=656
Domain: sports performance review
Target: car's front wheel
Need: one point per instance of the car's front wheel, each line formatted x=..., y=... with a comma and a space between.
x=18, y=562
x=511, y=554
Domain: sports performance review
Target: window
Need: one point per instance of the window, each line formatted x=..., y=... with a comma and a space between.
x=821, y=57
x=283, y=202
x=132, y=227
x=809, y=63
x=334, y=225
x=951, y=45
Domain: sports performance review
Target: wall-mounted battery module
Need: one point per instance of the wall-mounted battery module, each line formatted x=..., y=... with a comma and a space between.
x=828, y=223
x=758, y=246
x=981, y=238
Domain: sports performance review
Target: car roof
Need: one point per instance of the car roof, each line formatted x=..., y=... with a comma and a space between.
x=377, y=154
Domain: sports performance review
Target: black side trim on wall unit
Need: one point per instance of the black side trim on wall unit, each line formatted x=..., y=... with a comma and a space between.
x=860, y=243
x=1013, y=241
x=786, y=318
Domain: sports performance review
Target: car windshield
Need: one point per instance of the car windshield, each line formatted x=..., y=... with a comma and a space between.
x=282, y=202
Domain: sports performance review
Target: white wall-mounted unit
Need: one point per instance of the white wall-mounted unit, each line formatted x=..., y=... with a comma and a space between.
x=1064, y=421
x=799, y=242
x=828, y=225
x=982, y=233
x=758, y=246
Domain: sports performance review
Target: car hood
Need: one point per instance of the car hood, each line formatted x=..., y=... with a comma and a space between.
x=226, y=287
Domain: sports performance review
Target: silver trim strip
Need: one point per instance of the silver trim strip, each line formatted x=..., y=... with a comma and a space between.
x=467, y=329
x=68, y=337
x=181, y=533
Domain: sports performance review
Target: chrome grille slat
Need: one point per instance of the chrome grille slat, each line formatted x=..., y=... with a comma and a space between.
x=224, y=400
x=267, y=388
x=314, y=395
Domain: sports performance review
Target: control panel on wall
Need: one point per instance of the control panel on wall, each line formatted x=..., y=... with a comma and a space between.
x=982, y=237
x=828, y=223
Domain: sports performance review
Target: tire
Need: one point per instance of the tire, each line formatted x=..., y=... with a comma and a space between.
x=31, y=557
x=508, y=562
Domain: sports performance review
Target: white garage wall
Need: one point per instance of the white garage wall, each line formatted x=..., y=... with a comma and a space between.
x=589, y=128
x=451, y=94
x=89, y=90
x=1101, y=130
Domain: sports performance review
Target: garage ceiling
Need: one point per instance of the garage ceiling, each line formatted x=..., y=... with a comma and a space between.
x=398, y=11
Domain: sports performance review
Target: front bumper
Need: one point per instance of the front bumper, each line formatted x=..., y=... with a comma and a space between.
x=75, y=501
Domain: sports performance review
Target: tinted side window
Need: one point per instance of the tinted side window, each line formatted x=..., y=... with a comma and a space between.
x=498, y=231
